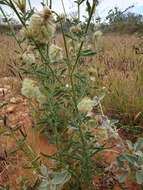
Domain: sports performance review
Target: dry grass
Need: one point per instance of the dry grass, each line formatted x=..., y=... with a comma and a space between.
x=120, y=70
x=8, y=63
x=117, y=67
x=7, y=55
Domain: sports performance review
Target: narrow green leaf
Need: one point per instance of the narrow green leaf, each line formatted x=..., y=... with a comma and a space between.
x=61, y=178
x=139, y=176
x=130, y=145
x=87, y=52
x=122, y=178
x=139, y=144
x=44, y=170
x=88, y=7
x=131, y=158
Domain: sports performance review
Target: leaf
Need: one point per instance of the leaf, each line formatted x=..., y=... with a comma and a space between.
x=44, y=170
x=98, y=99
x=113, y=122
x=87, y=52
x=139, y=176
x=3, y=104
x=130, y=158
x=139, y=144
x=88, y=7
x=120, y=160
x=140, y=158
x=29, y=14
x=44, y=185
x=2, y=2
x=122, y=178
x=61, y=178
x=2, y=131
x=130, y=145
x=79, y=2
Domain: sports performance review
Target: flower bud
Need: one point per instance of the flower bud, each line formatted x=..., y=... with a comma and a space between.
x=21, y=4
x=98, y=34
x=76, y=29
x=86, y=105
x=55, y=53
x=41, y=27
x=28, y=58
x=30, y=89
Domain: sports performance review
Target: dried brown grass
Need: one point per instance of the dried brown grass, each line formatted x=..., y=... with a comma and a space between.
x=7, y=55
x=118, y=68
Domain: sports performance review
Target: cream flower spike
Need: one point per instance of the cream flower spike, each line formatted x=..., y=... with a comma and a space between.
x=86, y=105
x=55, y=53
x=31, y=90
x=21, y=4
x=41, y=27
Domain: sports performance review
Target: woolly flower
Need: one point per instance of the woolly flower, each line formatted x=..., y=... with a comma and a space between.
x=92, y=78
x=31, y=90
x=86, y=105
x=97, y=26
x=101, y=134
x=55, y=53
x=28, y=58
x=75, y=29
x=73, y=46
x=98, y=40
x=41, y=27
x=98, y=34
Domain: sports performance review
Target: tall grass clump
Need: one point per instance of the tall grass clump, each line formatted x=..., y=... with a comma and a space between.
x=119, y=69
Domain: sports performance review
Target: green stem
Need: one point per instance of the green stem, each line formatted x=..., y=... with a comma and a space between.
x=65, y=43
x=63, y=7
x=45, y=61
x=25, y=148
x=69, y=69
x=29, y=2
x=18, y=15
x=78, y=56
x=40, y=52
x=78, y=9
x=69, y=66
x=86, y=30
x=50, y=4
x=101, y=109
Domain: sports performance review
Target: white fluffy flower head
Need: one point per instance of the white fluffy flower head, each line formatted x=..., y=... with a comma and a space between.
x=98, y=34
x=30, y=89
x=41, y=26
x=86, y=105
x=28, y=58
x=55, y=53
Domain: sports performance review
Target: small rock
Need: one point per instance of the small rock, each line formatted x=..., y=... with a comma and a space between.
x=8, y=87
x=3, y=91
x=25, y=103
x=14, y=100
x=1, y=123
x=11, y=109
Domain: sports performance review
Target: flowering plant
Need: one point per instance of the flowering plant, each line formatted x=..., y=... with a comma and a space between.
x=55, y=79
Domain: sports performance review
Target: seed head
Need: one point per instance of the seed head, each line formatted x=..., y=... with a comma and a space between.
x=21, y=4
x=30, y=89
x=86, y=105
x=41, y=27
x=55, y=53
